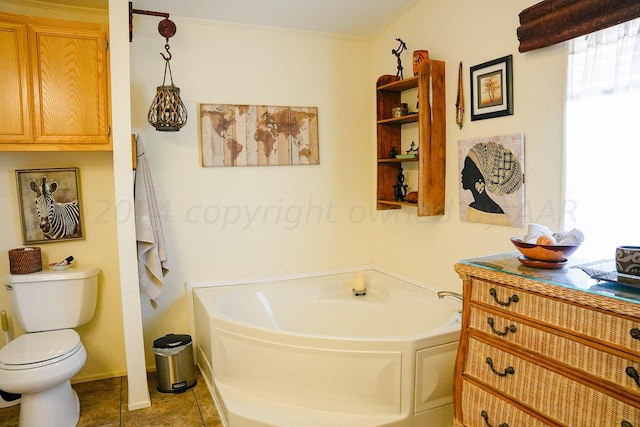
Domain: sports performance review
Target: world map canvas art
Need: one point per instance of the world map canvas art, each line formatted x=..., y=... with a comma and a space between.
x=258, y=135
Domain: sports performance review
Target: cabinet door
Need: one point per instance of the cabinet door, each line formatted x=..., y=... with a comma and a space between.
x=69, y=69
x=15, y=119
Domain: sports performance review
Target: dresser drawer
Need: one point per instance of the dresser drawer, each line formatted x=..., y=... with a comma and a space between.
x=607, y=328
x=619, y=371
x=557, y=397
x=482, y=408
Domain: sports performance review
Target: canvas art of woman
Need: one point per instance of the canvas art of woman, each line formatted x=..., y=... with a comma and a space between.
x=490, y=169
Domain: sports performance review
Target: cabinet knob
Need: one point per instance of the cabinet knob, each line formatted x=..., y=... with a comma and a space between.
x=633, y=373
x=485, y=416
x=635, y=333
x=512, y=299
x=507, y=329
x=508, y=370
x=626, y=423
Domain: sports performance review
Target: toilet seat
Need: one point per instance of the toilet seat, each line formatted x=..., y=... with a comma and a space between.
x=38, y=349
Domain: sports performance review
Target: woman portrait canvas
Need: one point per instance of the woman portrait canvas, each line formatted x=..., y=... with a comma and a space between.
x=492, y=180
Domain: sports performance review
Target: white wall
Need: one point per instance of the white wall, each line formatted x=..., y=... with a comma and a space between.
x=474, y=32
x=235, y=222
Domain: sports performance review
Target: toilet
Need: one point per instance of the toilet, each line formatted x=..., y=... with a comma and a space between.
x=40, y=363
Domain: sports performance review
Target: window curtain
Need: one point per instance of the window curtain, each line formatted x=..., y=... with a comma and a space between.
x=602, y=150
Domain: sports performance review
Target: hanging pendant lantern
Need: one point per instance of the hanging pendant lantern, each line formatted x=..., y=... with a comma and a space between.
x=167, y=112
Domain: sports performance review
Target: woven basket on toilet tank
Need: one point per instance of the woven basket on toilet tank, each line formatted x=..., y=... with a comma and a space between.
x=25, y=260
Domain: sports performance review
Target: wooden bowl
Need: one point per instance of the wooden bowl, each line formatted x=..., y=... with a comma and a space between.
x=549, y=253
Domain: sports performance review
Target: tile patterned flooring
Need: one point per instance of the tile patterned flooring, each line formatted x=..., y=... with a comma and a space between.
x=103, y=403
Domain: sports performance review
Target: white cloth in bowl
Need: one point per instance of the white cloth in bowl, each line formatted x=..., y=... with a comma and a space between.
x=535, y=231
x=569, y=238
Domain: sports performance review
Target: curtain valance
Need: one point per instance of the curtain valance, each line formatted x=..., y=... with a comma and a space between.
x=554, y=21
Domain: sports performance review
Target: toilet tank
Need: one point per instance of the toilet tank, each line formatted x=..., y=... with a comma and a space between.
x=49, y=299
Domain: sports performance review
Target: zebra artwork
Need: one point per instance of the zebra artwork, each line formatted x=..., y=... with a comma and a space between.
x=57, y=220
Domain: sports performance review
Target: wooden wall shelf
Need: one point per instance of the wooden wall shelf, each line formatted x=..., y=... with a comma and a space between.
x=431, y=119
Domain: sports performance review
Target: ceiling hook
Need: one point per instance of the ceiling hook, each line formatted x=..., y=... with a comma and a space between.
x=166, y=47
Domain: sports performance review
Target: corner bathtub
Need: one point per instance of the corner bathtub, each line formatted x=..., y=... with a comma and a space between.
x=308, y=353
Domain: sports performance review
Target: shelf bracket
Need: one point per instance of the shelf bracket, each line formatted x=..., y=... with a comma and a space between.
x=150, y=13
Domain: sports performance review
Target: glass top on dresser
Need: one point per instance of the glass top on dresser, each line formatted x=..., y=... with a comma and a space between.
x=575, y=274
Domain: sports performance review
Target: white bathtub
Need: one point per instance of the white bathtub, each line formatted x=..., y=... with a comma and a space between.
x=308, y=353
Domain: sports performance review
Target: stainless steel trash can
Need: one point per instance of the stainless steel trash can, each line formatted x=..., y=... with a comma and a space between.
x=174, y=363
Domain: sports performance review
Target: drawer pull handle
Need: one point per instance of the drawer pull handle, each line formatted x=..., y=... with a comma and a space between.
x=512, y=299
x=508, y=370
x=635, y=333
x=626, y=423
x=485, y=416
x=633, y=373
x=507, y=329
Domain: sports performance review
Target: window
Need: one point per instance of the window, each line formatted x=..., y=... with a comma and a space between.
x=602, y=151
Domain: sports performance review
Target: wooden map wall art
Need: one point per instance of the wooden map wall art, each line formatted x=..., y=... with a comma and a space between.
x=258, y=135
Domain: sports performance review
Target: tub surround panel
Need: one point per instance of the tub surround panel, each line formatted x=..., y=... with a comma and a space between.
x=433, y=382
x=334, y=380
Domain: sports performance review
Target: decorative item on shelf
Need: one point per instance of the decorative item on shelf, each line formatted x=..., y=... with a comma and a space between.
x=167, y=112
x=401, y=48
x=400, y=110
x=412, y=153
x=413, y=149
x=419, y=56
x=393, y=153
x=400, y=188
x=412, y=197
x=460, y=99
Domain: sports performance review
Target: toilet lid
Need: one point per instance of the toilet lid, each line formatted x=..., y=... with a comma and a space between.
x=39, y=347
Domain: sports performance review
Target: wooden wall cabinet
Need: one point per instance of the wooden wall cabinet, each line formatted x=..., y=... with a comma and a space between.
x=431, y=119
x=537, y=353
x=55, y=81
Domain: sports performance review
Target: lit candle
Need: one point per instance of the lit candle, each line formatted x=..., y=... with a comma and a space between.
x=358, y=283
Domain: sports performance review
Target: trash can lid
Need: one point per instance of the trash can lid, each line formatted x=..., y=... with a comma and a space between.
x=172, y=340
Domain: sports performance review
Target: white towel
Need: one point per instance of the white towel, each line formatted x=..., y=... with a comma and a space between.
x=562, y=238
x=569, y=238
x=152, y=256
x=535, y=231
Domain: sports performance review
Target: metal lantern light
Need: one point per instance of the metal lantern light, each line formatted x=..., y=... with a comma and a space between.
x=167, y=112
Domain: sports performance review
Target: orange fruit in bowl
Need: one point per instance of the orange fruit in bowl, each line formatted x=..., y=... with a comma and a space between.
x=546, y=240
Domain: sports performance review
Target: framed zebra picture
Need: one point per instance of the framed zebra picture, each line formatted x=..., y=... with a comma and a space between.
x=49, y=204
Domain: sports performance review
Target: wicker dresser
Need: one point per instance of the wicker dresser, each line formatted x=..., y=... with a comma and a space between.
x=545, y=347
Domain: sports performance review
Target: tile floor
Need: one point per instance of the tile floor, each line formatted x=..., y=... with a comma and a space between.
x=104, y=403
